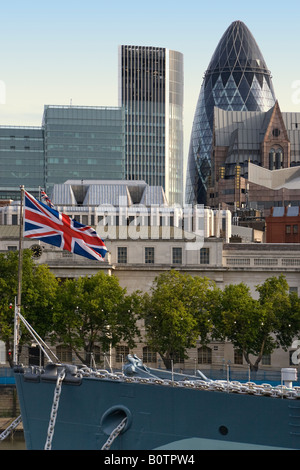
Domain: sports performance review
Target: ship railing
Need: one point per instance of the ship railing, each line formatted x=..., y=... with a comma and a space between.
x=278, y=391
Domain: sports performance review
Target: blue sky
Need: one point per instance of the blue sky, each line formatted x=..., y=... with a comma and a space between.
x=52, y=52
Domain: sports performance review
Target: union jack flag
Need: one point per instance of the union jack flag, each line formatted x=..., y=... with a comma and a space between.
x=52, y=227
x=46, y=199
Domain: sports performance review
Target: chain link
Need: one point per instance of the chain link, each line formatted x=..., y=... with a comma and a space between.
x=54, y=409
x=114, y=434
x=10, y=428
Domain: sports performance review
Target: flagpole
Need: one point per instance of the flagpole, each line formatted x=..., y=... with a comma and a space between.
x=18, y=299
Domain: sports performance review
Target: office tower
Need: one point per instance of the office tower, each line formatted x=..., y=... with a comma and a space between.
x=74, y=142
x=151, y=90
x=237, y=79
x=21, y=160
x=83, y=143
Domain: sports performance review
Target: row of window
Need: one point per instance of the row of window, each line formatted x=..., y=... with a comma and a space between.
x=204, y=355
x=19, y=149
x=149, y=255
x=291, y=229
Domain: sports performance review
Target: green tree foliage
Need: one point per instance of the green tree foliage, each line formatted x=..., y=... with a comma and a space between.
x=258, y=327
x=176, y=312
x=238, y=320
x=39, y=287
x=94, y=310
x=281, y=313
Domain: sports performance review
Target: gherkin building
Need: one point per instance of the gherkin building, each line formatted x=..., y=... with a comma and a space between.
x=237, y=79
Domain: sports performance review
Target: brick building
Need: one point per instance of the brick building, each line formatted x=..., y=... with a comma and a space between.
x=283, y=225
x=255, y=159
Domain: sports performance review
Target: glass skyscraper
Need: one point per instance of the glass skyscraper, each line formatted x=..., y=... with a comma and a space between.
x=73, y=143
x=83, y=143
x=236, y=79
x=21, y=160
x=151, y=91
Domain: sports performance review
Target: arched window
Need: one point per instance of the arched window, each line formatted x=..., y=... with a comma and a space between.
x=276, y=159
x=149, y=355
x=64, y=353
x=121, y=353
x=204, y=355
x=279, y=159
x=272, y=159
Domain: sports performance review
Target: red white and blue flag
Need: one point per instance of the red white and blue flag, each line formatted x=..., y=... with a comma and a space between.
x=52, y=227
x=46, y=199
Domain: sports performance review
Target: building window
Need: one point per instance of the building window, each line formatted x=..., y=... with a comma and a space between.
x=149, y=255
x=266, y=360
x=272, y=159
x=276, y=132
x=176, y=255
x=295, y=228
x=238, y=357
x=288, y=229
x=204, y=256
x=204, y=355
x=278, y=159
x=293, y=290
x=177, y=358
x=122, y=254
x=95, y=356
x=64, y=353
x=121, y=353
x=149, y=355
x=35, y=356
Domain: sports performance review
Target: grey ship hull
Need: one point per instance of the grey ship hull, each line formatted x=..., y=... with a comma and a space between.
x=158, y=416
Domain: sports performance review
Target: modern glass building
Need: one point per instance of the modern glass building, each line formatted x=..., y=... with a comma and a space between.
x=237, y=79
x=21, y=160
x=83, y=143
x=151, y=90
x=72, y=143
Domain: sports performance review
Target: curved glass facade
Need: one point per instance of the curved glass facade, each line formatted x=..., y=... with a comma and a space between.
x=237, y=79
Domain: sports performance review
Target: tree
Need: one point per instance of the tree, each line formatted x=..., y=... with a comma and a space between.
x=257, y=327
x=202, y=301
x=176, y=312
x=94, y=310
x=238, y=319
x=281, y=314
x=37, y=300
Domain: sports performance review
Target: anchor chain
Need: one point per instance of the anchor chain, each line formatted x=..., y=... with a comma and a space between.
x=54, y=409
x=114, y=434
x=10, y=428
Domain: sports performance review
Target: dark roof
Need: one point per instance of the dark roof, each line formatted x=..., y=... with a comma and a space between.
x=237, y=49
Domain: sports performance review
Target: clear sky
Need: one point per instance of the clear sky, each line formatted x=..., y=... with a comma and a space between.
x=56, y=51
